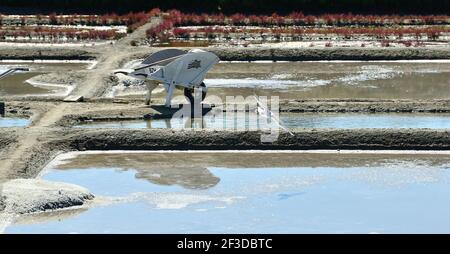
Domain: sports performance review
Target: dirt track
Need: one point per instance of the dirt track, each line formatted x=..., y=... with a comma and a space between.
x=27, y=151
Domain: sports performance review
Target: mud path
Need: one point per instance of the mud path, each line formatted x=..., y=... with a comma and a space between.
x=28, y=152
x=19, y=156
x=96, y=80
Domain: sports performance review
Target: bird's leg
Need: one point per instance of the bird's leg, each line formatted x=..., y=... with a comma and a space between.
x=169, y=95
x=151, y=85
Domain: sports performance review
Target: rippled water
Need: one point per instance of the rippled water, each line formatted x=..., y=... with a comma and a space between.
x=242, y=192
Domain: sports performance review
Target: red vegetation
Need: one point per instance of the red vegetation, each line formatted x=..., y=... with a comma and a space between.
x=134, y=19
x=297, y=24
x=58, y=34
x=19, y=29
x=53, y=19
x=430, y=32
x=160, y=31
x=299, y=19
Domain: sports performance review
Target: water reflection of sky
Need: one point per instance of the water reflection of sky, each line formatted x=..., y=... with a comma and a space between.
x=241, y=121
x=13, y=122
x=393, y=197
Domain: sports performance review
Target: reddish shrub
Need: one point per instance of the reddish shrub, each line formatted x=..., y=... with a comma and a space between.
x=181, y=32
x=237, y=19
x=154, y=12
x=407, y=43
x=433, y=33
x=53, y=19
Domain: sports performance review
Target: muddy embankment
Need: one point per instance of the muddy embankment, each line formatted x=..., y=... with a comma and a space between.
x=32, y=110
x=18, y=109
x=65, y=140
x=32, y=162
x=319, y=54
x=365, y=106
x=237, y=53
x=8, y=137
x=46, y=53
x=108, y=139
x=23, y=196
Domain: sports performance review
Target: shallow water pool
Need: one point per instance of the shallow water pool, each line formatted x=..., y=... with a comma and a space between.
x=291, y=121
x=343, y=79
x=251, y=192
x=14, y=122
x=16, y=84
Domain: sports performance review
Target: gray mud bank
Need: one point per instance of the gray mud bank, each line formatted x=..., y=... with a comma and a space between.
x=155, y=139
x=407, y=139
x=312, y=54
x=240, y=53
x=46, y=53
x=366, y=106
x=8, y=138
x=320, y=54
x=18, y=109
x=22, y=196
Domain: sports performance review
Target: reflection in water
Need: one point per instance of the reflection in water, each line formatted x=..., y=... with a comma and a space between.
x=211, y=120
x=294, y=120
x=187, y=123
x=367, y=121
x=265, y=192
x=164, y=169
x=190, y=170
x=45, y=217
